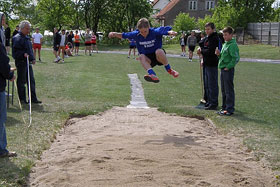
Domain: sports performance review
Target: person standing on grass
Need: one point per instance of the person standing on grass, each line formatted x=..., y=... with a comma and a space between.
x=22, y=49
x=70, y=39
x=56, y=43
x=77, y=40
x=210, y=61
x=94, y=42
x=8, y=38
x=191, y=42
x=228, y=58
x=132, y=46
x=183, y=42
x=37, y=39
x=149, y=45
x=88, y=37
x=201, y=44
x=62, y=45
x=16, y=30
x=6, y=72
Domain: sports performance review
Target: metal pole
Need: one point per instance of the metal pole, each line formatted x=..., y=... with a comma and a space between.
x=29, y=92
x=8, y=96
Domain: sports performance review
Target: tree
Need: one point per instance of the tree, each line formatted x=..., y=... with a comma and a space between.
x=184, y=22
x=242, y=12
x=13, y=7
x=56, y=13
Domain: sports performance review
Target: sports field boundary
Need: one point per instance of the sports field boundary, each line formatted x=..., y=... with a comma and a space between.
x=269, y=61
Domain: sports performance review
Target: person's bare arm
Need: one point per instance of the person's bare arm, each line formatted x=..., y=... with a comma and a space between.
x=115, y=35
x=172, y=33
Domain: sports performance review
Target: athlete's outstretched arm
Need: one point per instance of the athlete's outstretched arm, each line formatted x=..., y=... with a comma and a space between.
x=115, y=35
x=172, y=33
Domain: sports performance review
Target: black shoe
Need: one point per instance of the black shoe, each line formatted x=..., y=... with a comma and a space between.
x=23, y=102
x=211, y=107
x=36, y=102
x=206, y=104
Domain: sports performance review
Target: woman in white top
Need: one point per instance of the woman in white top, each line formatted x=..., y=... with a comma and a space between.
x=62, y=44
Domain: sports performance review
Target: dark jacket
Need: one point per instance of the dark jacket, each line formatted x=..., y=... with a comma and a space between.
x=21, y=45
x=8, y=33
x=57, y=39
x=208, y=50
x=5, y=72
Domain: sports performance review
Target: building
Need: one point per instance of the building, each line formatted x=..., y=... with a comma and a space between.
x=158, y=5
x=195, y=8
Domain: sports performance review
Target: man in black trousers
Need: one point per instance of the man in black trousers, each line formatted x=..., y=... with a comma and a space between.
x=210, y=62
x=22, y=49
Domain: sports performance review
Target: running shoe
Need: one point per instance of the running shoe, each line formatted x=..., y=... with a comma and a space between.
x=151, y=78
x=173, y=73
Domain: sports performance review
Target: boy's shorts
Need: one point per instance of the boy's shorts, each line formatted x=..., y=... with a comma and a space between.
x=55, y=48
x=191, y=48
x=132, y=46
x=37, y=46
x=87, y=44
x=153, y=58
x=77, y=44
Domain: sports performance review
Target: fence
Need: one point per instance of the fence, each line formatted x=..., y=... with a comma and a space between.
x=266, y=33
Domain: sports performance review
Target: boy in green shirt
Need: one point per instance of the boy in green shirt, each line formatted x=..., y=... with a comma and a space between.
x=228, y=58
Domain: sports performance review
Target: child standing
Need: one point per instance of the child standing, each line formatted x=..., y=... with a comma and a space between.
x=149, y=45
x=77, y=43
x=132, y=46
x=88, y=37
x=183, y=42
x=228, y=58
x=191, y=42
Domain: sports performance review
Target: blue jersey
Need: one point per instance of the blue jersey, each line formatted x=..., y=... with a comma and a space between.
x=132, y=42
x=149, y=44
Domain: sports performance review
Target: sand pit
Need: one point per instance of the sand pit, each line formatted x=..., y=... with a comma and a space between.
x=145, y=147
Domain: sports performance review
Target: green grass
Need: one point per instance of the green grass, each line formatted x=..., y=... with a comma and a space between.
x=246, y=51
x=88, y=85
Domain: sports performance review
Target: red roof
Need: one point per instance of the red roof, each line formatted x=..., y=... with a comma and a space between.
x=155, y=2
x=167, y=8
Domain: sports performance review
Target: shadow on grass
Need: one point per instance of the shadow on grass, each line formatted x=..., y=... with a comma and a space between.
x=10, y=174
x=239, y=115
x=12, y=121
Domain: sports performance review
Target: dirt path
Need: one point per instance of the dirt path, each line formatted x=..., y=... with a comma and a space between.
x=144, y=147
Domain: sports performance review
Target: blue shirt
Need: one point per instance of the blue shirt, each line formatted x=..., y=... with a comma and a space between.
x=132, y=42
x=149, y=44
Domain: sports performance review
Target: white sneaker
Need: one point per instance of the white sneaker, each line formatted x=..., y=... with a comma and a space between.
x=66, y=56
x=190, y=60
x=62, y=61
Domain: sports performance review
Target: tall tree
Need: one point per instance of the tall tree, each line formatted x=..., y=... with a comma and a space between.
x=56, y=13
x=13, y=7
x=246, y=11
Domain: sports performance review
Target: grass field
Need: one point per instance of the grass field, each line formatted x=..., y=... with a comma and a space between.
x=246, y=51
x=86, y=85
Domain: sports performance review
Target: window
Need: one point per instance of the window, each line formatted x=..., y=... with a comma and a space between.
x=209, y=5
x=193, y=5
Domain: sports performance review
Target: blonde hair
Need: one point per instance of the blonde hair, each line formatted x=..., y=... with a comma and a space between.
x=143, y=23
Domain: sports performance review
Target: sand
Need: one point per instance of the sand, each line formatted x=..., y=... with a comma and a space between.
x=145, y=147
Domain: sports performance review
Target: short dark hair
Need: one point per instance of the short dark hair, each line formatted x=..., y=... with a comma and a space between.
x=228, y=30
x=210, y=24
x=143, y=23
